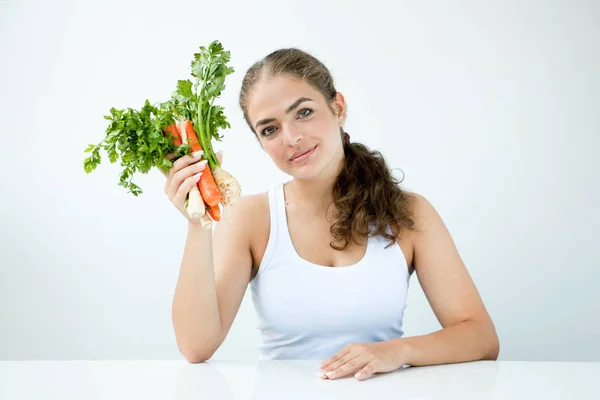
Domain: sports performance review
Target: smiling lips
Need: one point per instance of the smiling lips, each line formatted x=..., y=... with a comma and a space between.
x=302, y=152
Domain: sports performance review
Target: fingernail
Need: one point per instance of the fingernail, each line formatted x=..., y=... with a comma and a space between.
x=197, y=176
x=321, y=373
x=202, y=163
x=330, y=373
x=197, y=154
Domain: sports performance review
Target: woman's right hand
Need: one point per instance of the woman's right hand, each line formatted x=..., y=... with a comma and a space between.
x=183, y=175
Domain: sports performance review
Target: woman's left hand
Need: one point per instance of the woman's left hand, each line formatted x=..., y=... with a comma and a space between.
x=364, y=359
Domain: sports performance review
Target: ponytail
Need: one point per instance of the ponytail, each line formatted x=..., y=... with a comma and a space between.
x=367, y=197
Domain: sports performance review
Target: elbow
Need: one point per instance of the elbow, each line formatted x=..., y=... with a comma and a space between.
x=196, y=356
x=493, y=346
x=494, y=350
x=196, y=347
x=486, y=341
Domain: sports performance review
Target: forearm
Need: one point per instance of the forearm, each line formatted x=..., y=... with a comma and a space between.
x=463, y=342
x=195, y=311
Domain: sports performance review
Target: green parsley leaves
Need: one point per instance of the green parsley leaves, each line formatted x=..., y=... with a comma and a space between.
x=136, y=137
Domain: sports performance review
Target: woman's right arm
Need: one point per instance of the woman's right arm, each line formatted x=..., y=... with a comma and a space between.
x=214, y=272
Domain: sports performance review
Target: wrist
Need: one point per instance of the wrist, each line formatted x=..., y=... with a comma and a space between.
x=198, y=228
x=404, y=351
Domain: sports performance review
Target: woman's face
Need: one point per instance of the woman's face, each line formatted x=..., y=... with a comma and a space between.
x=296, y=126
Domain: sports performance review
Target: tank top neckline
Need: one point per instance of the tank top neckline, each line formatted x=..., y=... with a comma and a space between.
x=283, y=228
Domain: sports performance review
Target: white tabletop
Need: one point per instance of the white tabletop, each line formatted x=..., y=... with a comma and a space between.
x=292, y=380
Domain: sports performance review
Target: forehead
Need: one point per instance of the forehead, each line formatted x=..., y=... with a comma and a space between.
x=270, y=97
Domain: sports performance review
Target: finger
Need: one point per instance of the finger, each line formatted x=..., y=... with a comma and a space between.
x=336, y=357
x=185, y=161
x=351, y=367
x=170, y=156
x=337, y=364
x=367, y=371
x=185, y=173
x=185, y=188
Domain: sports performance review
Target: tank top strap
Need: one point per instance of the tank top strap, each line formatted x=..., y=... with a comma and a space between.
x=279, y=243
x=273, y=214
x=274, y=231
x=284, y=238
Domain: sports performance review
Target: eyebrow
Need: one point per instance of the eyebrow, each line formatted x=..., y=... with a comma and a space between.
x=287, y=111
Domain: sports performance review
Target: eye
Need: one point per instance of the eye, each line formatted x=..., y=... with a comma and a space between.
x=302, y=113
x=267, y=131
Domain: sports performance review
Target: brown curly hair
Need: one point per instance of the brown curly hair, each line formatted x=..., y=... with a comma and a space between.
x=367, y=197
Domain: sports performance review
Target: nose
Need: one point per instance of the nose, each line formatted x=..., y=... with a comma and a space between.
x=291, y=135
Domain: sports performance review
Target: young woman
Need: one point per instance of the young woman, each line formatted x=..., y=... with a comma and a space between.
x=328, y=254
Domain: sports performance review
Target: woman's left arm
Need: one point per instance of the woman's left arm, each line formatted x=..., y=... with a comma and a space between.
x=467, y=334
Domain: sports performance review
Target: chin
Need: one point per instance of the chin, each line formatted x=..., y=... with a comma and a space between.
x=300, y=172
x=303, y=172
x=303, y=175
x=309, y=169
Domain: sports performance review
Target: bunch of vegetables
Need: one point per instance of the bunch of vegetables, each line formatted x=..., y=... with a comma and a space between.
x=158, y=134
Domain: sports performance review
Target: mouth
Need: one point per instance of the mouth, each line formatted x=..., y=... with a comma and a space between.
x=303, y=153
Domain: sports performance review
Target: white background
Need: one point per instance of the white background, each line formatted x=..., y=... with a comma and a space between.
x=491, y=109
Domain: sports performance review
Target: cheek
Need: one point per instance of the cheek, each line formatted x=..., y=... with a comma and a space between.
x=323, y=127
x=273, y=149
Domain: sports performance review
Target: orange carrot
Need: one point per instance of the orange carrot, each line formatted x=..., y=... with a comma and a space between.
x=173, y=130
x=191, y=135
x=207, y=185
x=214, y=212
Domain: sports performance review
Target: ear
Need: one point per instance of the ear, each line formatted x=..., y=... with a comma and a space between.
x=339, y=103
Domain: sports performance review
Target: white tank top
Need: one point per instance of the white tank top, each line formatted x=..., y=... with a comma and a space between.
x=310, y=311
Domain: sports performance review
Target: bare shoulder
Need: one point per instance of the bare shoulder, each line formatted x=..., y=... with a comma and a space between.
x=419, y=209
x=424, y=214
x=431, y=241
x=247, y=224
x=244, y=214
